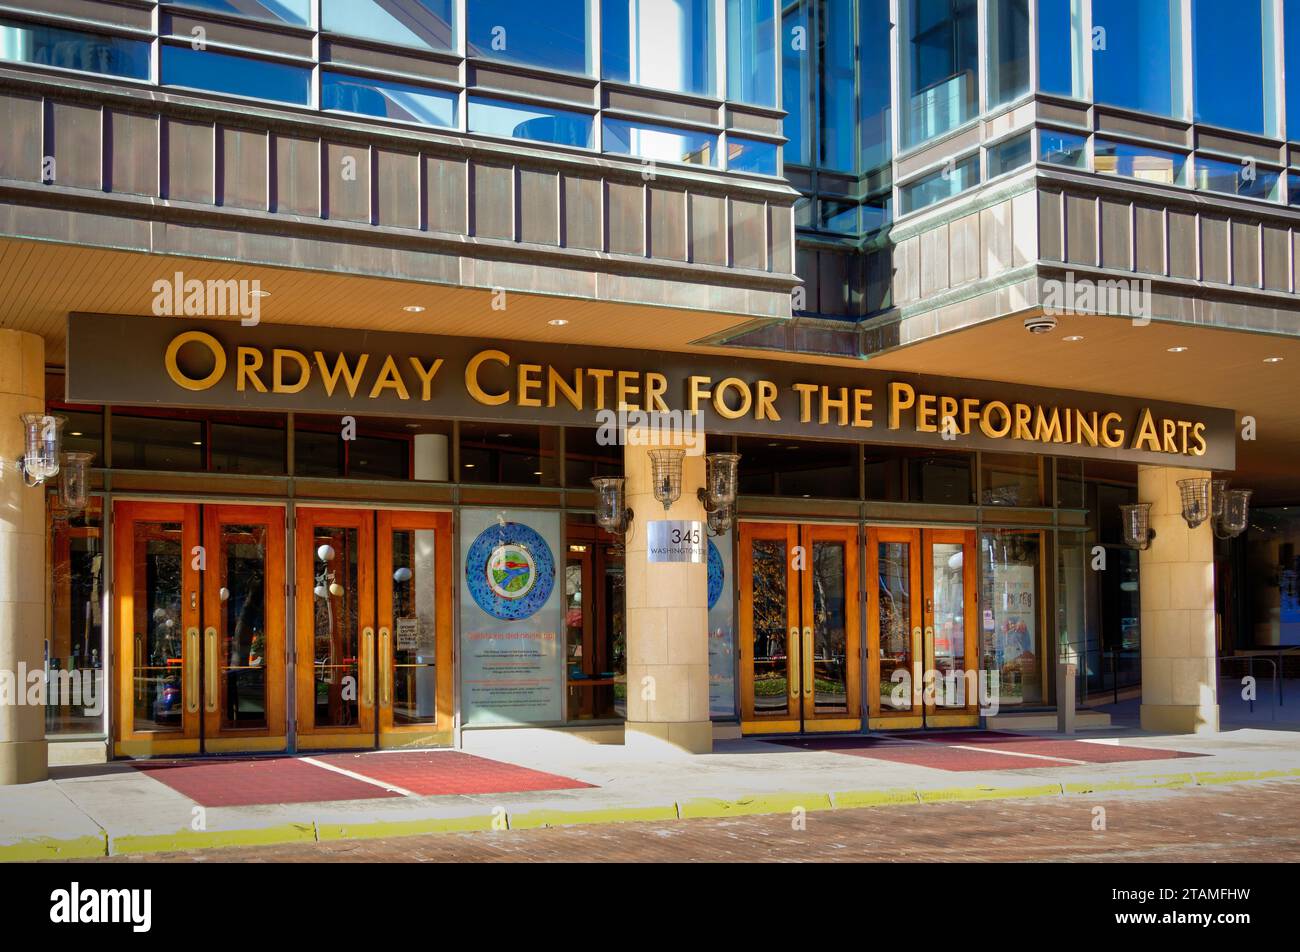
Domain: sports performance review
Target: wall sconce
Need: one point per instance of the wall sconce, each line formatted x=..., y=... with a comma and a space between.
x=1137, y=525
x=42, y=436
x=720, y=520
x=612, y=512
x=74, y=481
x=718, y=494
x=1196, y=500
x=666, y=474
x=1218, y=495
x=1236, y=514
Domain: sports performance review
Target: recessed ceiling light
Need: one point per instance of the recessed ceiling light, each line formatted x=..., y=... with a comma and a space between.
x=1072, y=338
x=76, y=433
x=537, y=472
x=1177, y=350
x=413, y=309
x=503, y=436
x=558, y=322
x=469, y=465
x=261, y=294
x=412, y=426
x=1267, y=360
x=198, y=443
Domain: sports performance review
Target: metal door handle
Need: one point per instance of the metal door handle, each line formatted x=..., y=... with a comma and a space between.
x=191, y=666
x=792, y=653
x=807, y=662
x=385, y=668
x=210, y=653
x=366, y=664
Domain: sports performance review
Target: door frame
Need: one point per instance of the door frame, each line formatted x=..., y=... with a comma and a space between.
x=791, y=722
x=878, y=718
x=969, y=540
x=850, y=537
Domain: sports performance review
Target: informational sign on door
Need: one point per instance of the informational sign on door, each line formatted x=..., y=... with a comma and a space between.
x=408, y=634
x=512, y=618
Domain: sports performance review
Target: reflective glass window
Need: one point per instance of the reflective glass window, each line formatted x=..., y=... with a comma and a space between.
x=76, y=684
x=509, y=453
x=837, y=108
x=1063, y=148
x=1010, y=155
x=751, y=51
x=1233, y=64
x=665, y=44
x=785, y=467
x=748, y=155
x=235, y=75
x=660, y=143
x=940, y=185
x=1293, y=188
x=1010, y=639
x=1137, y=55
x=157, y=442
x=387, y=100
x=1010, y=480
x=1236, y=178
x=1008, y=53
x=538, y=123
x=553, y=35
x=426, y=23
x=874, y=60
x=796, y=82
x=1291, y=72
x=1138, y=161
x=297, y=12
x=73, y=49
x=838, y=216
x=1060, y=47
x=940, y=67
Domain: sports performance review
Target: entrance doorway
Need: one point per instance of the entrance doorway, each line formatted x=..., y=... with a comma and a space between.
x=200, y=628
x=921, y=628
x=799, y=628
x=374, y=618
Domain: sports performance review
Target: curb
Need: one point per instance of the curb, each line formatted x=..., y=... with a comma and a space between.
x=35, y=849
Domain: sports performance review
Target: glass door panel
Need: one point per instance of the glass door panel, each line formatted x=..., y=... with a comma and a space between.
x=894, y=622
x=949, y=567
x=770, y=634
x=831, y=685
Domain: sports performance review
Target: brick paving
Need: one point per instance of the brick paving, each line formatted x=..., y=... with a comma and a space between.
x=1254, y=822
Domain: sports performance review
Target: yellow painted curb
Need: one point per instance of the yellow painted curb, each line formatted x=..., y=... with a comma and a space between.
x=1138, y=784
x=45, y=847
x=959, y=794
x=212, y=839
x=535, y=819
x=1236, y=776
x=473, y=823
x=856, y=799
x=750, y=806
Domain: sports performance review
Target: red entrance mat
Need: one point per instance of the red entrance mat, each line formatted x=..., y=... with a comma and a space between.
x=261, y=780
x=432, y=773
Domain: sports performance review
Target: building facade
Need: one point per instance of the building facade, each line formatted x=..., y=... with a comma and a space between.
x=347, y=302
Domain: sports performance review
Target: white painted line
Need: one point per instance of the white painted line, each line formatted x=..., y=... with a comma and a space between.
x=1015, y=753
x=362, y=777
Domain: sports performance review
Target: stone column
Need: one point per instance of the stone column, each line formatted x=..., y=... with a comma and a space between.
x=667, y=621
x=1179, y=659
x=22, y=561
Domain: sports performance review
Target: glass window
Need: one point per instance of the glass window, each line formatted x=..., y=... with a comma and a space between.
x=1236, y=178
x=1010, y=155
x=1234, y=39
x=933, y=477
x=1293, y=188
x=665, y=44
x=510, y=453
x=1009, y=480
x=380, y=449
x=1060, y=47
x=426, y=23
x=552, y=34
x=538, y=123
x=235, y=75
x=940, y=67
x=876, y=53
x=297, y=12
x=1138, y=161
x=1070, y=492
x=1008, y=54
x=1269, y=586
x=877, y=212
x=796, y=82
x=585, y=457
x=387, y=100
x=1063, y=148
x=1291, y=71
x=751, y=51
x=748, y=155
x=76, y=688
x=248, y=449
x=940, y=185
x=838, y=216
x=148, y=442
x=786, y=467
x=83, y=433
x=838, y=108
x=660, y=143
x=1137, y=55
x=69, y=49
x=1009, y=635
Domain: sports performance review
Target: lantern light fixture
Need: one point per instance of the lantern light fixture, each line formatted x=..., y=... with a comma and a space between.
x=720, y=520
x=666, y=475
x=612, y=512
x=74, y=481
x=718, y=494
x=1236, y=514
x=1195, y=494
x=1136, y=520
x=42, y=439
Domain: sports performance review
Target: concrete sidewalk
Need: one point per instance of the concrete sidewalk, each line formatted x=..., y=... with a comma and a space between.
x=116, y=809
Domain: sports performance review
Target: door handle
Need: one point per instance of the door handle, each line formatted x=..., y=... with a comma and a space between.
x=792, y=652
x=367, y=667
x=139, y=681
x=807, y=662
x=210, y=660
x=191, y=666
x=385, y=668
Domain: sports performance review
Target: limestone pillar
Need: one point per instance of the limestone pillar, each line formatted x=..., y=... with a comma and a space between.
x=1179, y=662
x=667, y=621
x=22, y=561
